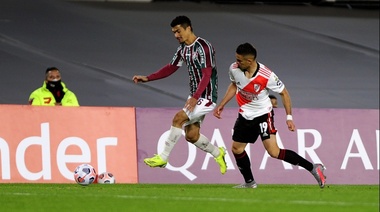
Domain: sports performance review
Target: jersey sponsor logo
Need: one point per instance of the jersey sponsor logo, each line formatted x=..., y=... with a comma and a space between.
x=247, y=95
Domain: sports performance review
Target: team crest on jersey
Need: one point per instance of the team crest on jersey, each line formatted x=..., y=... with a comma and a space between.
x=256, y=87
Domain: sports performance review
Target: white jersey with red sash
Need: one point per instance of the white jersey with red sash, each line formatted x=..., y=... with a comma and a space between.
x=252, y=93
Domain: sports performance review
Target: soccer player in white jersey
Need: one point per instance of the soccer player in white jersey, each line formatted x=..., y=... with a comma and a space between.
x=250, y=83
x=199, y=57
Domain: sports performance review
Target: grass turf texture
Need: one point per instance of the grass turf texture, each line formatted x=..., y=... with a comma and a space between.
x=187, y=197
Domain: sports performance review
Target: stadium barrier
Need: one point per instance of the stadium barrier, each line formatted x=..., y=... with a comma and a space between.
x=45, y=144
x=41, y=144
x=345, y=140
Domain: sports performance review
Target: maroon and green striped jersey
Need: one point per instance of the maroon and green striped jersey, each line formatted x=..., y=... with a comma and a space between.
x=197, y=56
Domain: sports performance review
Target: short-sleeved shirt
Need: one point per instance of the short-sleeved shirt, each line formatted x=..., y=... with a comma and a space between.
x=200, y=54
x=252, y=94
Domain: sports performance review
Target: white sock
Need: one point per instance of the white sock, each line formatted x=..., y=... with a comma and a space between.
x=204, y=144
x=171, y=140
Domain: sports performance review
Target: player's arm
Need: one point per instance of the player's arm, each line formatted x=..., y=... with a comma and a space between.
x=207, y=61
x=206, y=75
x=276, y=85
x=230, y=93
x=165, y=71
x=286, y=101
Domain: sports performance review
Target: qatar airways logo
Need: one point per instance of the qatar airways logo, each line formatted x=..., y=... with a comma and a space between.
x=349, y=151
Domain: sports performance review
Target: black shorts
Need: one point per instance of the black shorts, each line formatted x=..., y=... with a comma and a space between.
x=247, y=131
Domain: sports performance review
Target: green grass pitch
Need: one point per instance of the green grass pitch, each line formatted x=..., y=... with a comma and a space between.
x=187, y=197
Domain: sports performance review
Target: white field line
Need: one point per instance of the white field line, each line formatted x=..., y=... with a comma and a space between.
x=293, y=202
x=20, y=194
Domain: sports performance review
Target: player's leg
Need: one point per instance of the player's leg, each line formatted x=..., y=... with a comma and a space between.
x=293, y=158
x=193, y=135
x=268, y=136
x=287, y=155
x=160, y=160
x=244, y=133
x=244, y=165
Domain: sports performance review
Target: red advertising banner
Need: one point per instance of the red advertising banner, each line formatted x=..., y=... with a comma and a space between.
x=41, y=144
x=346, y=141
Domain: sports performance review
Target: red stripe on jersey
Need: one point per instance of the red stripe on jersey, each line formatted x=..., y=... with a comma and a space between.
x=253, y=88
x=265, y=71
x=241, y=100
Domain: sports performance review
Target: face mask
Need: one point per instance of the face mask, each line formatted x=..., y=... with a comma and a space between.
x=54, y=85
x=56, y=88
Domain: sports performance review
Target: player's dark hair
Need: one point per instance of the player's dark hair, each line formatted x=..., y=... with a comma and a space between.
x=246, y=49
x=181, y=20
x=51, y=69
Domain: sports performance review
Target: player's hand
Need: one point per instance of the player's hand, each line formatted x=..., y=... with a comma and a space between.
x=291, y=125
x=138, y=78
x=190, y=104
x=218, y=112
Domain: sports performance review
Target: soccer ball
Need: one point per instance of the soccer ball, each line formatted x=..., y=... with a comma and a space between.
x=106, y=178
x=84, y=174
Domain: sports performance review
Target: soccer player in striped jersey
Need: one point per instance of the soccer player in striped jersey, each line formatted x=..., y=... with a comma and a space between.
x=250, y=83
x=199, y=56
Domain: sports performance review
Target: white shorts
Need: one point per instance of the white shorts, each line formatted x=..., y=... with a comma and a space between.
x=203, y=107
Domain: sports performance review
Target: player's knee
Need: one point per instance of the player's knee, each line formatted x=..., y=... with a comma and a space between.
x=237, y=150
x=179, y=119
x=191, y=134
x=192, y=137
x=273, y=153
x=176, y=121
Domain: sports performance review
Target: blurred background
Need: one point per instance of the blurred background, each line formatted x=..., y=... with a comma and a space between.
x=325, y=52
